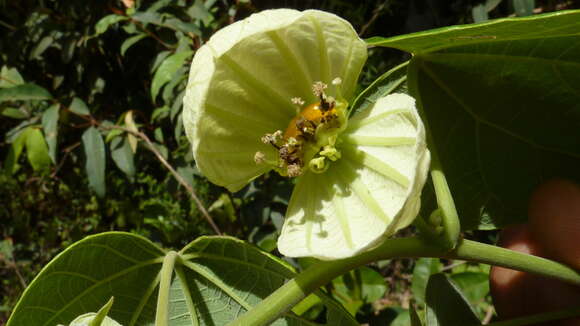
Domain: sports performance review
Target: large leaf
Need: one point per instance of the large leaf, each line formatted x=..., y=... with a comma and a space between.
x=216, y=279
x=96, y=160
x=446, y=303
x=24, y=92
x=501, y=100
x=83, y=278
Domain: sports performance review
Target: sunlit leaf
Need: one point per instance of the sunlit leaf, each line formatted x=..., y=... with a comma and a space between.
x=130, y=124
x=10, y=77
x=167, y=69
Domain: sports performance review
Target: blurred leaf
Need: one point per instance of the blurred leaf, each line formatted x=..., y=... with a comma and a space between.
x=78, y=106
x=373, y=285
x=130, y=42
x=415, y=319
x=104, y=23
x=123, y=156
x=162, y=150
x=479, y=13
x=39, y=49
x=24, y=92
x=167, y=69
x=6, y=249
x=14, y=113
x=10, y=77
x=159, y=58
x=424, y=268
x=524, y=7
x=11, y=161
x=96, y=160
x=500, y=99
x=200, y=12
x=148, y=17
x=447, y=303
x=130, y=124
x=159, y=114
x=50, y=127
x=402, y=319
x=475, y=286
x=36, y=150
x=181, y=26
x=113, y=133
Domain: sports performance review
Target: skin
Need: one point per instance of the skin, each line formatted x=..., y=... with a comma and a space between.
x=553, y=232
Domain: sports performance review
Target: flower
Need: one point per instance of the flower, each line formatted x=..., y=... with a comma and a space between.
x=271, y=92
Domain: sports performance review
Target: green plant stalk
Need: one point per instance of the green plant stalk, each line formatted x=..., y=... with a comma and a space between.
x=539, y=318
x=450, y=222
x=317, y=275
x=162, y=312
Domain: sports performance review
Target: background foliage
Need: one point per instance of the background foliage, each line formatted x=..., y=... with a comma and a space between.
x=84, y=84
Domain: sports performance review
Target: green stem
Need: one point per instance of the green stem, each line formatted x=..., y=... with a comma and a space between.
x=539, y=318
x=166, y=273
x=451, y=225
x=317, y=275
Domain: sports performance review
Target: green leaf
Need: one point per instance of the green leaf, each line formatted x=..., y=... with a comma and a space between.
x=373, y=285
x=104, y=23
x=475, y=286
x=424, y=268
x=446, y=302
x=37, y=150
x=479, y=13
x=167, y=69
x=500, y=99
x=78, y=106
x=130, y=42
x=415, y=319
x=123, y=156
x=393, y=81
x=50, y=127
x=216, y=279
x=96, y=160
x=226, y=276
x=24, y=92
x=87, y=274
x=14, y=113
x=39, y=49
x=10, y=77
x=11, y=162
x=130, y=124
x=524, y=7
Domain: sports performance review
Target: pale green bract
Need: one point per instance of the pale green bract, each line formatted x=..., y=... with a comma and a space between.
x=241, y=87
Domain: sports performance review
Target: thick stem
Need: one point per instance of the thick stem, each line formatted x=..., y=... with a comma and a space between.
x=316, y=276
x=166, y=273
x=450, y=222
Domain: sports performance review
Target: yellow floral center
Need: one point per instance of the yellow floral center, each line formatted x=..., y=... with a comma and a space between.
x=309, y=140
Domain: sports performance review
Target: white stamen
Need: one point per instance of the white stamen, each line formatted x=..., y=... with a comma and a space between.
x=297, y=101
x=336, y=81
x=259, y=158
x=318, y=88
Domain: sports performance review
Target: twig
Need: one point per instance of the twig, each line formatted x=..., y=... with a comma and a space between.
x=488, y=315
x=376, y=14
x=176, y=175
